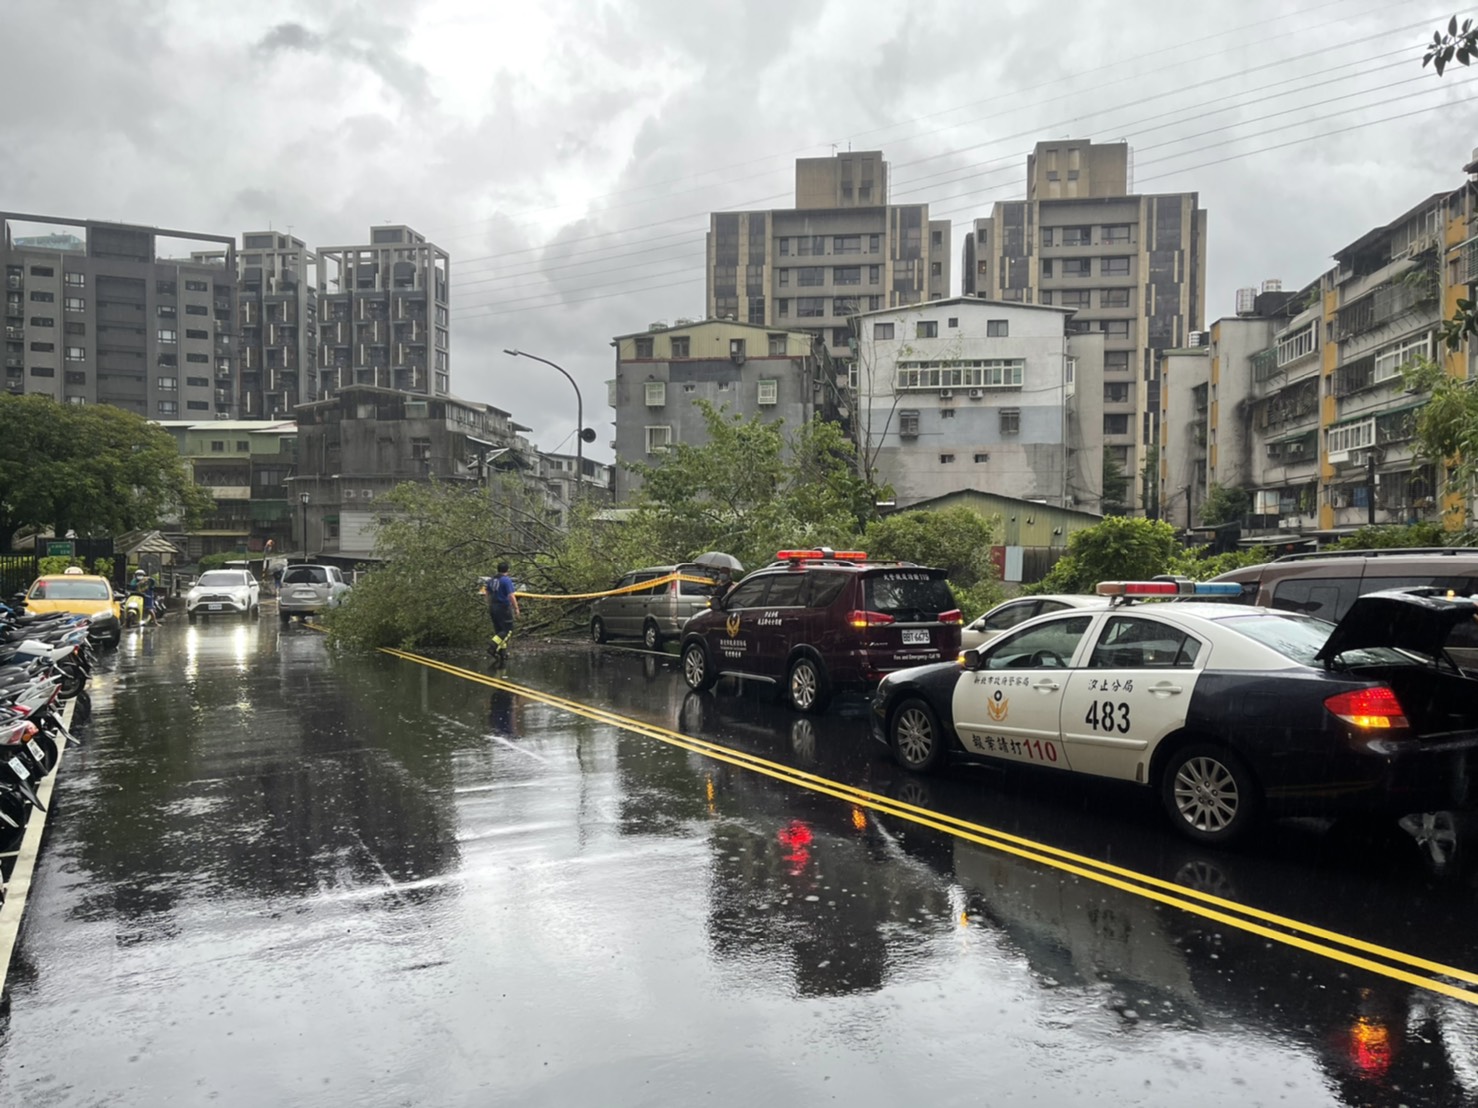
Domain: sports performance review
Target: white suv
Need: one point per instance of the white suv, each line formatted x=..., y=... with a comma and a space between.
x=223, y=592
x=307, y=590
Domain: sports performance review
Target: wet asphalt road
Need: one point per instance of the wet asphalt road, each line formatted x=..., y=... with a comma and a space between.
x=280, y=876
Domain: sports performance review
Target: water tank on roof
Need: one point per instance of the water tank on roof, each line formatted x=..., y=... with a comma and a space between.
x=660, y=325
x=1246, y=301
x=1200, y=338
x=1272, y=285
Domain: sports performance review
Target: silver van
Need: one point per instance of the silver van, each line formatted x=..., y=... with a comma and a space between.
x=653, y=614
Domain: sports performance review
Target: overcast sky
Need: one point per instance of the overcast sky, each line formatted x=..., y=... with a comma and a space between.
x=566, y=152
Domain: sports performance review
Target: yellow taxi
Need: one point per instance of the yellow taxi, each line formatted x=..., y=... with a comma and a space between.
x=82, y=594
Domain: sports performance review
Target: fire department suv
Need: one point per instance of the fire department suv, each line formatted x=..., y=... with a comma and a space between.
x=1226, y=711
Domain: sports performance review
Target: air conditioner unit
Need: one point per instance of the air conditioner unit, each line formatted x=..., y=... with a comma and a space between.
x=946, y=394
x=348, y=494
x=976, y=394
x=367, y=494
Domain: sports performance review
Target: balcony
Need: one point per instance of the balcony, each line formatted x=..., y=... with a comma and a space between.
x=15, y=334
x=14, y=281
x=1470, y=262
x=1265, y=364
x=1380, y=307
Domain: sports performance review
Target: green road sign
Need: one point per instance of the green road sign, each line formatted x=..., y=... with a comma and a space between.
x=60, y=549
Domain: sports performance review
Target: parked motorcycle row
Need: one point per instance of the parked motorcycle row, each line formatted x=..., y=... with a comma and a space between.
x=45, y=660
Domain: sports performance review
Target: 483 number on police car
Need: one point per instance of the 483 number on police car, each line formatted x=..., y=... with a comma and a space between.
x=1108, y=715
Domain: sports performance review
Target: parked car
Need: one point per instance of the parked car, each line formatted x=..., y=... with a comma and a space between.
x=307, y=590
x=225, y=592
x=1326, y=585
x=82, y=594
x=1227, y=711
x=1005, y=616
x=654, y=614
x=818, y=620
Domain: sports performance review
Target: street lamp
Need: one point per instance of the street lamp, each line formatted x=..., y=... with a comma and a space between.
x=303, y=503
x=583, y=434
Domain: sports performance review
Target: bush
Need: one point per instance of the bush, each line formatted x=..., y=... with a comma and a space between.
x=50, y=566
x=1118, y=549
x=1389, y=537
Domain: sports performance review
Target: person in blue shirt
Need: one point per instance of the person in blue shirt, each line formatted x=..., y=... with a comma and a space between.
x=502, y=609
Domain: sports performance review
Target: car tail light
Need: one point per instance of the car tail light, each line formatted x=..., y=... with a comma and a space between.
x=1374, y=708
x=868, y=619
x=951, y=616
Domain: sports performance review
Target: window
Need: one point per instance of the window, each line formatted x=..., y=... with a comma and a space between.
x=1009, y=615
x=784, y=247
x=874, y=274
x=1114, y=328
x=1115, y=233
x=43, y=321
x=1297, y=344
x=168, y=384
x=658, y=439
x=42, y=271
x=169, y=407
x=166, y=288
x=846, y=275
x=874, y=244
x=864, y=192
x=199, y=358
x=43, y=297
x=198, y=405
x=656, y=392
x=846, y=244
x=680, y=346
x=874, y=303
x=1325, y=597
x=192, y=333
x=76, y=280
x=421, y=449
x=811, y=244
x=1073, y=298
x=946, y=459
x=1116, y=392
x=1077, y=236
x=1351, y=436
x=979, y=458
x=42, y=371
x=782, y=309
x=76, y=354
x=908, y=424
x=736, y=348
x=750, y=594
x=936, y=238
x=757, y=309
x=810, y=307
x=777, y=346
x=168, y=361
x=197, y=286
x=1046, y=236
x=997, y=328
x=1116, y=424
x=844, y=305
x=166, y=335
x=882, y=330
x=217, y=446
x=1010, y=421
x=926, y=329
x=1116, y=361
x=768, y=393
x=960, y=373
x=841, y=336
x=74, y=328
x=1046, y=267
x=75, y=304
x=1129, y=642
x=953, y=321
x=1113, y=298
x=1076, y=267
x=198, y=382
x=1114, y=267
x=644, y=347
x=784, y=280
x=946, y=413
x=1045, y=646
x=1389, y=359
x=243, y=446
x=43, y=347
x=810, y=276
x=167, y=311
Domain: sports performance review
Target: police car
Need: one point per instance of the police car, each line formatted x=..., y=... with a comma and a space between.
x=1227, y=711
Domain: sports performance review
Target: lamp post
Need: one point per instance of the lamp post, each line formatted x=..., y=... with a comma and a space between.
x=303, y=503
x=582, y=433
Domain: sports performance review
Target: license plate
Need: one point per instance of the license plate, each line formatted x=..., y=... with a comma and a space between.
x=35, y=750
x=305, y=594
x=20, y=769
x=915, y=638
x=212, y=607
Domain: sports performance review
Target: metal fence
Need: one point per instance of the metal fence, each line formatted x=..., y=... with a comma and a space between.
x=17, y=571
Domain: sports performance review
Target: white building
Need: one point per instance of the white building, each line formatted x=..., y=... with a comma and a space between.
x=980, y=394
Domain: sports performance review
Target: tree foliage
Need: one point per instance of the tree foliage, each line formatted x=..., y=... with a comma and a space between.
x=1389, y=536
x=90, y=469
x=1459, y=43
x=1225, y=504
x=1118, y=549
x=1115, y=485
x=957, y=540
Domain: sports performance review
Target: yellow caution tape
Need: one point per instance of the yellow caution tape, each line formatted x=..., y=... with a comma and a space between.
x=644, y=586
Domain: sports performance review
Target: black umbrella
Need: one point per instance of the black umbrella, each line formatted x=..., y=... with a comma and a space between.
x=719, y=560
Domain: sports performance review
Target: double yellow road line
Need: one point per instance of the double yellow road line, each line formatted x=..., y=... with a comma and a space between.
x=1382, y=960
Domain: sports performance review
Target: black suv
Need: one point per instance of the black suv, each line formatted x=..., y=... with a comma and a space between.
x=817, y=620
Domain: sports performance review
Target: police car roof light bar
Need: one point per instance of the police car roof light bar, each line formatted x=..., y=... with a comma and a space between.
x=1169, y=588
x=818, y=555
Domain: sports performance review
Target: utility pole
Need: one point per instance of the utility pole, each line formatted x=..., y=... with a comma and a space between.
x=1370, y=487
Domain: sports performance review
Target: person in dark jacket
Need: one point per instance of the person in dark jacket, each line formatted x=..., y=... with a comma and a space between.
x=502, y=609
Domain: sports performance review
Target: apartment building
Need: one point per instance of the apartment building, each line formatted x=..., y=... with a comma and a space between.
x=992, y=396
x=384, y=314
x=841, y=250
x=743, y=368
x=1308, y=408
x=1132, y=267
x=277, y=300
x=94, y=315
x=221, y=456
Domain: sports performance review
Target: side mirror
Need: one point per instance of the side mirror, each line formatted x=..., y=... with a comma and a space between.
x=970, y=659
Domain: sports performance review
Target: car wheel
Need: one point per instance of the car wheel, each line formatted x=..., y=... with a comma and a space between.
x=1209, y=793
x=807, y=688
x=651, y=637
x=916, y=736
x=696, y=671
x=597, y=630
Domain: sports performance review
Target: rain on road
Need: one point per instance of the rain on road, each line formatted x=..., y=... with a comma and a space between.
x=278, y=875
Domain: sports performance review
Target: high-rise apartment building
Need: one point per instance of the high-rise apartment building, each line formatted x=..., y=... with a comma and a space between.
x=841, y=250
x=384, y=314
x=278, y=302
x=1130, y=266
x=93, y=315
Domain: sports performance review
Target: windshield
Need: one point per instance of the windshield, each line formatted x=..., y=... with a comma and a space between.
x=909, y=594
x=70, y=590
x=222, y=579
x=305, y=575
x=1300, y=638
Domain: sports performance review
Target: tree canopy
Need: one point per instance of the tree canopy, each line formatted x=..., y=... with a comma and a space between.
x=93, y=469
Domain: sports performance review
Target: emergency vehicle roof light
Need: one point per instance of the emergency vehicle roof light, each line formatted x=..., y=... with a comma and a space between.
x=817, y=555
x=1169, y=588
